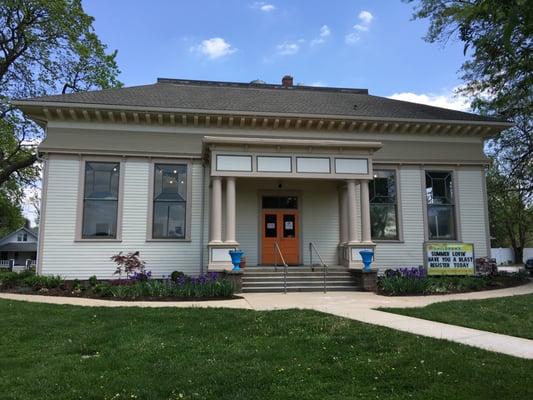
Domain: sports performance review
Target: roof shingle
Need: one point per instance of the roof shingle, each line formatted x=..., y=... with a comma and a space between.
x=262, y=98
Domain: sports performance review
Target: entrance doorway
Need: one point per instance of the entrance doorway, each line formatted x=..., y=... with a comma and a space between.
x=280, y=224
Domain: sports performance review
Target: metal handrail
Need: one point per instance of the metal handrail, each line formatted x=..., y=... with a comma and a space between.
x=324, y=265
x=277, y=251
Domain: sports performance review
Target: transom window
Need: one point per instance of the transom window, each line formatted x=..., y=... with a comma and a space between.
x=169, y=201
x=275, y=202
x=383, y=206
x=440, y=205
x=100, y=200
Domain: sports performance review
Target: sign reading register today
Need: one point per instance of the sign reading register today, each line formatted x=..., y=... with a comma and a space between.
x=450, y=258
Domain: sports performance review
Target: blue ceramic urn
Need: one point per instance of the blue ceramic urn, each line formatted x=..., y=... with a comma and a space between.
x=236, y=256
x=367, y=256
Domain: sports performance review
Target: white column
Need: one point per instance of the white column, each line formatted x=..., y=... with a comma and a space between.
x=352, y=217
x=216, y=209
x=230, y=210
x=343, y=214
x=365, y=213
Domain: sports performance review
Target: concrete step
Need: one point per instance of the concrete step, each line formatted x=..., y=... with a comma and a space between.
x=300, y=283
x=269, y=289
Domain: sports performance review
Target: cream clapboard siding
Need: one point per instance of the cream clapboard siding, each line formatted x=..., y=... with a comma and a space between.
x=63, y=256
x=319, y=218
x=472, y=209
x=410, y=252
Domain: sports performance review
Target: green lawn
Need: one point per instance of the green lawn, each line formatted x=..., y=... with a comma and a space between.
x=67, y=352
x=508, y=315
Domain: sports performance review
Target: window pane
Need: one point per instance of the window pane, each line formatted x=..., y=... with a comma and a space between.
x=383, y=187
x=383, y=221
x=101, y=180
x=289, y=228
x=169, y=220
x=441, y=222
x=439, y=187
x=170, y=182
x=270, y=226
x=290, y=202
x=99, y=219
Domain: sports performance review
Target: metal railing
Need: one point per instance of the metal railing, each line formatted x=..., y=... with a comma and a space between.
x=277, y=251
x=322, y=263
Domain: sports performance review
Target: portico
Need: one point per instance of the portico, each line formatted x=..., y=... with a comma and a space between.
x=278, y=167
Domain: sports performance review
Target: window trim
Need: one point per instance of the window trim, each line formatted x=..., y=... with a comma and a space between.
x=399, y=213
x=188, y=206
x=83, y=160
x=456, y=202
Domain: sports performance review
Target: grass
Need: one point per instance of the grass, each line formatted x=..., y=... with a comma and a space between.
x=508, y=315
x=68, y=352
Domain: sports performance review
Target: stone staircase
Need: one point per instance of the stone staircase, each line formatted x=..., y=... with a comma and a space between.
x=299, y=279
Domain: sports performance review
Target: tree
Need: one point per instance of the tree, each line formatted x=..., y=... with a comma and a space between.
x=10, y=215
x=46, y=47
x=511, y=221
x=498, y=71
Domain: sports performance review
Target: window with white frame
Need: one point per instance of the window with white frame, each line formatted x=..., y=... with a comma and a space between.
x=100, y=200
x=383, y=205
x=440, y=205
x=22, y=237
x=169, y=201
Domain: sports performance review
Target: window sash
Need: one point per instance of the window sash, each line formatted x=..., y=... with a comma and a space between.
x=90, y=228
x=441, y=225
x=180, y=190
x=382, y=207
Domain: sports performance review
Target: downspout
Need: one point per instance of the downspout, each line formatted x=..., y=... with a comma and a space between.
x=202, y=218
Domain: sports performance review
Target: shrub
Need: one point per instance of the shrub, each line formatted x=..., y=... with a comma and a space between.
x=38, y=282
x=128, y=263
x=175, y=275
x=9, y=280
x=93, y=281
x=102, y=289
x=402, y=285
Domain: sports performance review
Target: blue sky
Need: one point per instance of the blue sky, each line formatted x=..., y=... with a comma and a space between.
x=357, y=43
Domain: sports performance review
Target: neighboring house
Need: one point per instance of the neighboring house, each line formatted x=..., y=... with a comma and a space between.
x=18, y=247
x=183, y=171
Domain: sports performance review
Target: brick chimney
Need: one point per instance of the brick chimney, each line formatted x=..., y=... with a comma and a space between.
x=286, y=81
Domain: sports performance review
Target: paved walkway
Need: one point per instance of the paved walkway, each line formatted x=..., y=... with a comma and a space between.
x=359, y=306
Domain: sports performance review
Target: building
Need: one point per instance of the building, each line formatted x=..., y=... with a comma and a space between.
x=18, y=249
x=183, y=171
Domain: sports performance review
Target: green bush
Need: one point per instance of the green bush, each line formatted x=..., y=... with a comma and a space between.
x=402, y=285
x=42, y=281
x=9, y=280
x=167, y=289
x=93, y=281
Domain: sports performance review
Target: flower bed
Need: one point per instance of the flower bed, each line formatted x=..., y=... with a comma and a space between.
x=210, y=286
x=414, y=281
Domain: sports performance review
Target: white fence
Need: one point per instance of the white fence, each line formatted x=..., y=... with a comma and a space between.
x=505, y=255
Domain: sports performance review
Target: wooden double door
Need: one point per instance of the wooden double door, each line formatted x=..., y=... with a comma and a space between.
x=281, y=226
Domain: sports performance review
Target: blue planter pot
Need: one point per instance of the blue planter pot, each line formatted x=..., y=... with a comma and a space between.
x=367, y=256
x=236, y=256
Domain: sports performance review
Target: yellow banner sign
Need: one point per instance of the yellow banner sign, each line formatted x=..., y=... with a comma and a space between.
x=450, y=258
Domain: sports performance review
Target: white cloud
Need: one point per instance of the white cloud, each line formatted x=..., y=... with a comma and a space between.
x=265, y=7
x=317, y=84
x=214, y=48
x=351, y=38
x=366, y=17
x=324, y=33
x=288, y=49
x=446, y=99
x=365, y=20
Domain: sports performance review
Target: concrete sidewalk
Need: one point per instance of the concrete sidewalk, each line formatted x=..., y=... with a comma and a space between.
x=359, y=306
